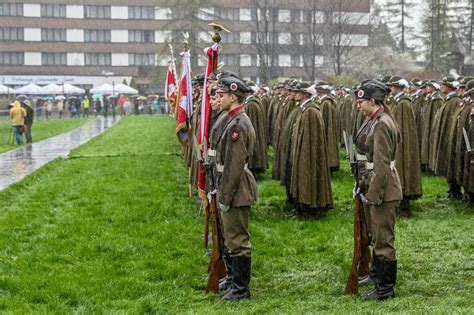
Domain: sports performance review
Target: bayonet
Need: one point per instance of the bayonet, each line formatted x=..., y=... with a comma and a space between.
x=346, y=145
x=351, y=151
x=466, y=139
x=206, y=153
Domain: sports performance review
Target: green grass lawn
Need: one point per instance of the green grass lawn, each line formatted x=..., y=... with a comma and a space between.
x=111, y=230
x=41, y=130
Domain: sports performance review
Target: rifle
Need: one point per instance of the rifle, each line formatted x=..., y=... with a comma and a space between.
x=216, y=267
x=361, y=256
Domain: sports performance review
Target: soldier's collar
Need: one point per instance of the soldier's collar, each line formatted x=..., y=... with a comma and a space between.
x=376, y=113
x=235, y=111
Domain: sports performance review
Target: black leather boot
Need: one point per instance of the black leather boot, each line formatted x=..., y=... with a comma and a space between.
x=240, y=279
x=226, y=282
x=371, y=278
x=386, y=279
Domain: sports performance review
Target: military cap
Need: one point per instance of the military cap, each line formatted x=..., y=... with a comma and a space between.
x=470, y=87
x=450, y=81
x=372, y=89
x=464, y=80
x=423, y=83
x=252, y=85
x=198, y=79
x=434, y=84
x=294, y=86
x=232, y=85
x=398, y=81
x=416, y=82
x=225, y=74
x=303, y=86
x=323, y=86
x=385, y=78
x=212, y=76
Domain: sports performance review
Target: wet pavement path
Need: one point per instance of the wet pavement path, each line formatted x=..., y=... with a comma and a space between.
x=16, y=164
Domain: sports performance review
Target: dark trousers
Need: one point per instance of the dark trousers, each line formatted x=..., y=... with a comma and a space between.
x=28, y=133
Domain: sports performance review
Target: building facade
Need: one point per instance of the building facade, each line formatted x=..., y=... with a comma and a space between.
x=93, y=38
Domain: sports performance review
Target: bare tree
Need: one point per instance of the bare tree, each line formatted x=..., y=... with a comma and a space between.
x=399, y=12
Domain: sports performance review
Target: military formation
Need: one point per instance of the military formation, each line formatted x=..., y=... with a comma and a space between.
x=400, y=128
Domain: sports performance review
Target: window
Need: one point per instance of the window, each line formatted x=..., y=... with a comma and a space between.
x=53, y=35
x=245, y=37
x=162, y=36
x=11, y=33
x=12, y=58
x=102, y=36
x=162, y=13
x=141, y=13
x=206, y=14
x=229, y=38
x=284, y=16
x=53, y=10
x=54, y=59
x=245, y=15
x=141, y=59
x=97, y=12
x=227, y=14
x=245, y=60
x=141, y=36
x=284, y=60
x=229, y=60
x=297, y=61
x=95, y=59
x=11, y=9
x=284, y=38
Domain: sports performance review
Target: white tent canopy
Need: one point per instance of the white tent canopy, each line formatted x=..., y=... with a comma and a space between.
x=125, y=89
x=53, y=89
x=6, y=90
x=114, y=89
x=30, y=89
x=71, y=89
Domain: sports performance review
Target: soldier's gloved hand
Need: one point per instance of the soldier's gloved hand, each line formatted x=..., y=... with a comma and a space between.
x=224, y=207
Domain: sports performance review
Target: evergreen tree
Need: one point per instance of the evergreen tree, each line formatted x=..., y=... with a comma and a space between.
x=398, y=13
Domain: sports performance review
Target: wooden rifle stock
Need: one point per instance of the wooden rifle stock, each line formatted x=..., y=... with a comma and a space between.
x=361, y=256
x=216, y=266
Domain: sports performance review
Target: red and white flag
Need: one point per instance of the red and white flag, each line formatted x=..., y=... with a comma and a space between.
x=212, y=55
x=185, y=99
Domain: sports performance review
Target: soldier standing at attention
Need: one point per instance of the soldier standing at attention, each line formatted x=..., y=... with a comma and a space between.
x=236, y=186
x=380, y=188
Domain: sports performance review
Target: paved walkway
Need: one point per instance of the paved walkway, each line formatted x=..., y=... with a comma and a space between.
x=16, y=164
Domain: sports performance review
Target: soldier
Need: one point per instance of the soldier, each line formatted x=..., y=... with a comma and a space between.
x=408, y=155
x=431, y=114
x=310, y=183
x=468, y=171
x=444, y=138
x=254, y=109
x=380, y=188
x=346, y=104
x=417, y=95
x=236, y=186
x=328, y=110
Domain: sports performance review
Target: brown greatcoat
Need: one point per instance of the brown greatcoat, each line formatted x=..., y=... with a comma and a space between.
x=236, y=186
x=468, y=172
x=328, y=110
x=461, y=149
x=271, y=116
x=418, y=102
x=285, y=110
x=195, y=125
x=408, y=155
x=346, y=105
x=432, y=103
x=443, y=156
x=455, y=134
x=288, y=142
x=258, y=159
x=310, y=176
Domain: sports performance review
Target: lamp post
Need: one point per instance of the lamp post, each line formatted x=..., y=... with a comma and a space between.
x=108, y=74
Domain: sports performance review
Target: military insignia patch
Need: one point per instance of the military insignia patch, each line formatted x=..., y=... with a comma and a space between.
x=235, y=135
x=360, y=94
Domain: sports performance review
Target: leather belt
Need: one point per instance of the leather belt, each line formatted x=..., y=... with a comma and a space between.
x=211, y=152
x=220, y=167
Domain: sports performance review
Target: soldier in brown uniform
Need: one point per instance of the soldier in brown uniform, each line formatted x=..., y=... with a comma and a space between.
x=444, y=147
x=236, y=186
x=380, y=188
x=408, y=155
x=468, y=171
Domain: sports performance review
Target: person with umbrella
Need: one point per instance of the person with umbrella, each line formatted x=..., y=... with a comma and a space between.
x=30, y=114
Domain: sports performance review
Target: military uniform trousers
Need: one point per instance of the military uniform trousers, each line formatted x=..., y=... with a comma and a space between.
x=236, y=230
x=381, y=228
